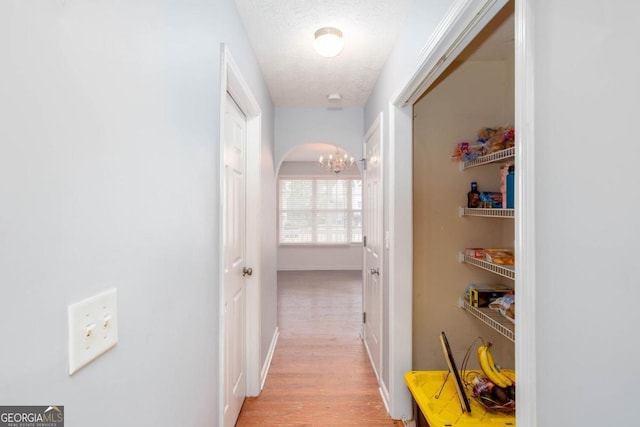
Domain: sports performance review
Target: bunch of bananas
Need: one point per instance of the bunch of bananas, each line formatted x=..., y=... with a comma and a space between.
x=491, y=371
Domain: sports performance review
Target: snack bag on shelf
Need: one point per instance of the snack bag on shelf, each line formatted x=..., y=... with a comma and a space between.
x=499, y=256
x=475, y=252
x=509, y=138
x=488, y=140
x=505, y=305
x=466, y=151
x=490, y=199
x=496, y=139
x=481, y=295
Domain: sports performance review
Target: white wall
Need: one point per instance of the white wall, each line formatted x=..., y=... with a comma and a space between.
x=314, y=258
x=296, y=126
x=312, y=169
x=109, y=177
x=587, y=288
x=422, y=19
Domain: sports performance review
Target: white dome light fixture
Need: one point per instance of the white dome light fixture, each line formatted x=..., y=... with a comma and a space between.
x=329, y=42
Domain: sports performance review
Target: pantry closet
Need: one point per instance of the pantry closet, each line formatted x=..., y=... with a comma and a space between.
x=476, y=91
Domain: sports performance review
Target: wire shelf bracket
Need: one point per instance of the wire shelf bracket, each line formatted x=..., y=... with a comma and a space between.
x=491, y=318
x=486, y=212
x=489, y=158
x=501, y=270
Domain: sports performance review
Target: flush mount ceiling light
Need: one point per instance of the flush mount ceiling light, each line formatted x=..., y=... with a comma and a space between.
x=328, y=42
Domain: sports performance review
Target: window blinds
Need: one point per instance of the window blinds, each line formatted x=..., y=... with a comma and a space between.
x=320, y=211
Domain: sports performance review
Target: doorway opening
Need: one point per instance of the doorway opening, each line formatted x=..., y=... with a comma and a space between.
x=319, y=213
x=320, y=297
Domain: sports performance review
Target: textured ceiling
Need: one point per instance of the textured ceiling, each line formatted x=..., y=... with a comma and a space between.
x=281, y=33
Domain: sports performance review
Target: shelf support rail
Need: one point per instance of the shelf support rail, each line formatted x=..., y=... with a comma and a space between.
x=488, y=320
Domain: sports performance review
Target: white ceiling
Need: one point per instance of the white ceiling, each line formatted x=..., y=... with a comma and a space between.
x=281, y=33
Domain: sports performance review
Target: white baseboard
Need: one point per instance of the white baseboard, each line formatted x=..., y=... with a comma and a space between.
x=384, y=393
x=267, y=362
x=320, y=268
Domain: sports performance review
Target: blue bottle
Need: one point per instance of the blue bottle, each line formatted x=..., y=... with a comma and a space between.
x=511, y=187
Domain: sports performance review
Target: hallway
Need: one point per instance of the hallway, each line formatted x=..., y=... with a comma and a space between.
x=320, y=374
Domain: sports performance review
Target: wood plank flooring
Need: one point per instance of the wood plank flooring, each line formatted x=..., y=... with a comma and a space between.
x=320, y=374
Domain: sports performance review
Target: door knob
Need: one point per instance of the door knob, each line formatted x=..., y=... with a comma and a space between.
x=247, y=271
x=374, y=271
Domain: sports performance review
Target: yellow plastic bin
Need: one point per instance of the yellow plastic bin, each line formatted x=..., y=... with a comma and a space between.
x=446, y=410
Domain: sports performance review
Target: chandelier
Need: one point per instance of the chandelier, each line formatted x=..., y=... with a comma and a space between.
x=337, y=162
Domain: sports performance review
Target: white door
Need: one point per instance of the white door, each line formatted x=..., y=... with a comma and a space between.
x=373, y=246
x=235, y=380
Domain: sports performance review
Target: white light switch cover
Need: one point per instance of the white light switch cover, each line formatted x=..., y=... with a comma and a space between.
x=93, y=328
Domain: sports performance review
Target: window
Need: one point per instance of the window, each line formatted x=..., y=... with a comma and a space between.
x=320, y=211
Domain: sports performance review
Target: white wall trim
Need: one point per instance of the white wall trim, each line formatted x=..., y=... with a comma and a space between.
x=384, y=393
x=400, y=276
x=231, y=80
x=463, y=21
x=269, y=358
x=221, y=262
x=253, y=291
x=525, y=216
x=368, y=350
x=321, y=268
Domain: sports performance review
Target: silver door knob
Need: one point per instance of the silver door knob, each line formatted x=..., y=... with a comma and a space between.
x=374, y=271
x=247, y=271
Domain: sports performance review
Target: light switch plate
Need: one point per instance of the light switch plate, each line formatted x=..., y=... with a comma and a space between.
x=93, y=328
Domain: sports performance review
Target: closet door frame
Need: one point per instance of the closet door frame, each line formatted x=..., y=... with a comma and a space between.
x=465, y=19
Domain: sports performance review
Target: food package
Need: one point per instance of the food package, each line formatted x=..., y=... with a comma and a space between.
x=495, y=139
x=481, y=295
x=505, y=305
x=490, y=199
x=499, y=256
x=467, y=151
x=475, y=252
x=488, y=140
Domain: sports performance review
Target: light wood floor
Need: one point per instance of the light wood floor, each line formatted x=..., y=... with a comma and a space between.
x=320, y=374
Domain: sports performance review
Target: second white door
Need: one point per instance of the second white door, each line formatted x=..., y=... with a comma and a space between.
x=373, y=246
